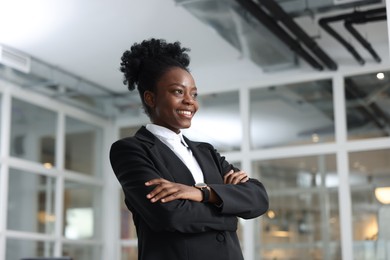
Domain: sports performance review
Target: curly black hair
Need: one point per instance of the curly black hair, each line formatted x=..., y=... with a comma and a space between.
x=145, y=63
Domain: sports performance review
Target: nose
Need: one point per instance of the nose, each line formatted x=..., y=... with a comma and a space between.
x=188, y=99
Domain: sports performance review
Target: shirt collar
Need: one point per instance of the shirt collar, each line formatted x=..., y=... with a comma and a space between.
x=164, y=133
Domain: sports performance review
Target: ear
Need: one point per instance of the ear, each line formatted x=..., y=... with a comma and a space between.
x=149, y=98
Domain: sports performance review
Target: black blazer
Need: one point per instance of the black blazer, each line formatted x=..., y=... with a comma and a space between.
x=183, y=229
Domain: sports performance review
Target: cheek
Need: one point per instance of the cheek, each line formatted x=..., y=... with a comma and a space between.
x=164, y=108
x=196, y=105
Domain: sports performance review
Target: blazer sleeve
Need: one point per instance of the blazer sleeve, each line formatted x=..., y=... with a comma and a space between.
x=133, y=165
x=246, y=200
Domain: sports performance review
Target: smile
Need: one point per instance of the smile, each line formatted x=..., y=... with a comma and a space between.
x=184, y=112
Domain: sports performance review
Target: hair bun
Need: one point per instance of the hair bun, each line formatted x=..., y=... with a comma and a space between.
x=155, y=50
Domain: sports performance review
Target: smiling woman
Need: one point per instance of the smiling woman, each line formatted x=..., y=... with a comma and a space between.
x=184, y=196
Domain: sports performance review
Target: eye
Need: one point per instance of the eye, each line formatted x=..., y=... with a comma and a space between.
x=194, y=95
x=178, y=91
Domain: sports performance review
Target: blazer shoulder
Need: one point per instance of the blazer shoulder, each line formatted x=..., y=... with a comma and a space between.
x=141, y=137
x=199, y=144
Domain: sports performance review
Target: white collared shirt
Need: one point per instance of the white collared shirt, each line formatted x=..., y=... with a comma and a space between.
x=177, y=144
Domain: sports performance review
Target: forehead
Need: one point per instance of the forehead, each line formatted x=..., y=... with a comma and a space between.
x=176, y=76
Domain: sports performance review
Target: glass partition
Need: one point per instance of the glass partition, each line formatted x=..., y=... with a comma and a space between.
x=33, y=133
x=31, y=202
x=218, y=121
x=129, y=253
x=128, y=131
x=1, y=126
x=17, y=249
x=82, y=252
x=83, y=146
x=82, y=211
x=303, y=219
x=370, y=195
x=368, y=105
x=293, y=114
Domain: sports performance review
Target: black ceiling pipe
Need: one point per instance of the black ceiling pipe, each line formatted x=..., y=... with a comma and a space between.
x=348, y=25
x=279, y=14
x=323, y=22
x=270, y=23
x=355, y=17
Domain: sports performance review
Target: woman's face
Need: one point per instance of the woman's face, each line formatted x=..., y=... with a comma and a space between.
x=174, y=103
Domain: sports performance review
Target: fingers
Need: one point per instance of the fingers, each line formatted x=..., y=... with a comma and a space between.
x=156, y=182
x=235, y=177
x=163, y=189
x=166, y=191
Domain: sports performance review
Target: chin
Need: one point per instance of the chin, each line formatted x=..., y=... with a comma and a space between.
x=185, y=126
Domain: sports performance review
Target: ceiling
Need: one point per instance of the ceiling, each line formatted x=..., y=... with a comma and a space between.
x=87, y=38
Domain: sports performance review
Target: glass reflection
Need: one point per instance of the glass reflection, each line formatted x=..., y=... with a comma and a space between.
x=82, y=252
x=293, y=114
x=17, y=249
x=1, y=127
x=128, y=131
x=370, y=170
x=303, y=212
x=33, y=132
x=82, y=211
x=31, y=203
x=218, y=121
x=83, y=146
x=129, y=253
x=368, y=105
x=303, y=253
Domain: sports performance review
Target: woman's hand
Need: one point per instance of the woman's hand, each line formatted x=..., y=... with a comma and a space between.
x=166, y=191
x=233, y=177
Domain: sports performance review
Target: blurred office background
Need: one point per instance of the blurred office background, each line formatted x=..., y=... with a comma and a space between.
x=295, y=92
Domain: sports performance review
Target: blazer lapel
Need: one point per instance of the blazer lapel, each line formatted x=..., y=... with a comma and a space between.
x=174, y=165
x=210, y=168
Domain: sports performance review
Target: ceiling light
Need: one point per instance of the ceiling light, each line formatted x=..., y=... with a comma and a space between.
x=48, y=165
x=271, y=214
x=380, y=75
x=315, y=138
x=279, y=233
x=382, y=194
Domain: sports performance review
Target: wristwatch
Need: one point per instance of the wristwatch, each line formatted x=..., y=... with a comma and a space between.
x=205, y=191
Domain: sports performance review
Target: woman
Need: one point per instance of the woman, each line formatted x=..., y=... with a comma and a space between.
x=185, y=198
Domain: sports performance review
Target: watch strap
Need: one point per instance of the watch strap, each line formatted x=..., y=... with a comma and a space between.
x=205, y=194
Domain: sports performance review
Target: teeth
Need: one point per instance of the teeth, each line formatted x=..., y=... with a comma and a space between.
x=187, y=113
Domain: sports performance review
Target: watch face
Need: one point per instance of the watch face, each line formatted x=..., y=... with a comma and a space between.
x=201, y=185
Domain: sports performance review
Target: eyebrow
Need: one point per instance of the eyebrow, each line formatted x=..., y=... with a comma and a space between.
x=180, y=85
